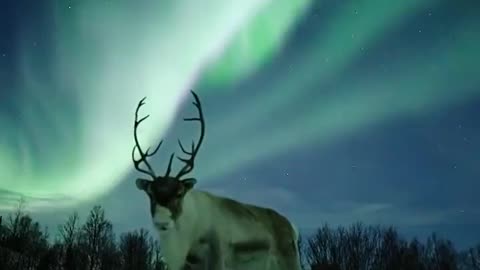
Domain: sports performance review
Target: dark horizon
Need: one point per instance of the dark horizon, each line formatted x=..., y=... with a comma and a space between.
x=357, y=246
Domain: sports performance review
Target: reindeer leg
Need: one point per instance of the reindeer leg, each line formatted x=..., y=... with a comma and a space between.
x=217, y=255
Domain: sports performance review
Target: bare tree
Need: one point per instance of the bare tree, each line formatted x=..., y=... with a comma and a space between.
x=49, y=259
x=96, y=237
x=440, y=254
x=3, y=255
x=69, y=233
x=135, y=250
x=412, y=255
x=474, y=257
x=470, y=259
x=23, y=240
x=110, y=256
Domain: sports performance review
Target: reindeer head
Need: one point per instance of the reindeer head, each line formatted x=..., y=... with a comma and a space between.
x=166, y=192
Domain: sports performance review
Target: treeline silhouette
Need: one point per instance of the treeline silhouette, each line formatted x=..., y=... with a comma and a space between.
x=92, y=245
x=362, y=247
x=25, y=245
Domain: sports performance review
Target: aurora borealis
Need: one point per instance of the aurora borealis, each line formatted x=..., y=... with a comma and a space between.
x=369, y=102
x=93, y=46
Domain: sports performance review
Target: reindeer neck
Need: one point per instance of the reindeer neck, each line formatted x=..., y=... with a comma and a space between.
x=195, y=219
x=189, y=215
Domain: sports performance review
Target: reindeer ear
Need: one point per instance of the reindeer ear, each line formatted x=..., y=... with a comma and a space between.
x=142, y=184
x=189, y=183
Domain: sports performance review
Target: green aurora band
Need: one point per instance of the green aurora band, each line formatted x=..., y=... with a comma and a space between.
x=418, y=84
x=103, y=48
x=219, y=53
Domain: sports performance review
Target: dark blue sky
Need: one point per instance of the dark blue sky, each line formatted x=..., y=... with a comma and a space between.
x=389, y=134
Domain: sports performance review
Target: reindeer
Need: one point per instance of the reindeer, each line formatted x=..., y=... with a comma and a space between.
x=195, y=225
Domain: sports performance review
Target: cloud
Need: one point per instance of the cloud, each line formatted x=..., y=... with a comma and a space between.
x=9, y=198
x=345, y=213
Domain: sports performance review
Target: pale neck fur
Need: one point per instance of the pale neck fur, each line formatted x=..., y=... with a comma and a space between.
x=189, y=226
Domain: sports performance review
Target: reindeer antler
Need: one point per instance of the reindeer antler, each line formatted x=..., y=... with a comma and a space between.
x=189, y=162
x=143, y=155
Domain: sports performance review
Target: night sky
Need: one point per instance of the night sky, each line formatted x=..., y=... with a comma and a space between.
x=328, y=111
